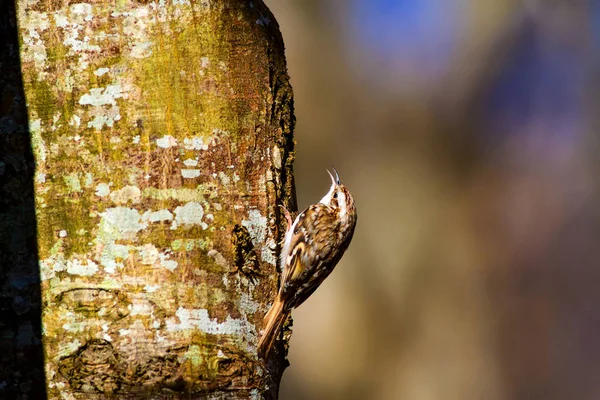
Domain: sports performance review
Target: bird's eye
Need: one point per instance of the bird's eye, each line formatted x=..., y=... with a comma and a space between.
x=335, y=195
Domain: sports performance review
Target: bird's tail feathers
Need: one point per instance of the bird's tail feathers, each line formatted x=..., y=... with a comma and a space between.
x=273, y=323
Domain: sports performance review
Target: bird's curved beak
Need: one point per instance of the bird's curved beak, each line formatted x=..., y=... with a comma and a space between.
x=331, y=176
x=337, y=176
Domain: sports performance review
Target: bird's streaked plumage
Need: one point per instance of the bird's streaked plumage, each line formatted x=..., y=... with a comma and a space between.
x=313, y=245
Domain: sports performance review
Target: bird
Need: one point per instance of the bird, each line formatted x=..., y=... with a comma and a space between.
x=312, y=246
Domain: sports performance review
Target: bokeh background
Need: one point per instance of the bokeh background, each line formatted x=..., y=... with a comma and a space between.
x=466, y=130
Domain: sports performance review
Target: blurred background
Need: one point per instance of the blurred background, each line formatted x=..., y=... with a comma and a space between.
x=466, y=130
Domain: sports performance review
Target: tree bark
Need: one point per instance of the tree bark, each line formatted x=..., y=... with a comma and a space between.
x=162, y=136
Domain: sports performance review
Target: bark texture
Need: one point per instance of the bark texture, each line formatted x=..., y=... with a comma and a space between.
x=162, y=135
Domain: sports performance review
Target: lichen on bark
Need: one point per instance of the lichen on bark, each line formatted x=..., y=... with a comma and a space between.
x=162, y=131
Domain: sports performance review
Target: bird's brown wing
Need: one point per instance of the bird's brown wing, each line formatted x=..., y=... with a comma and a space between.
x=311, y=246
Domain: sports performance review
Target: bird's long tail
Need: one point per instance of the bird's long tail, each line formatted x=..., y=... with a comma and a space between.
x=273, y=323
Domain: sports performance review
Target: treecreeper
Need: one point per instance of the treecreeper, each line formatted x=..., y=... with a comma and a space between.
x=313, y=245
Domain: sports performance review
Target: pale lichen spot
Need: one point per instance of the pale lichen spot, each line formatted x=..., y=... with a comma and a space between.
x=34, y=48
x=194, y=355
x=183, y=244
x=148, y=253
x=195, y=143
x=36, y=21
x=224, y=178
x=102, y=96
x=236, y=177
x=51, y=265
x=133, y=175
x=82, y=9
x=276, y=157
x=166, y=141
x=101, y=71
x=62, y=233
x=106, y=117
x=140, y=308
x=60, y=20
x=66, y=349
x=66, y=83
x=105, y=109
x=190, y=173
x=166, y=262
x=75, y=121
x=218, y=257
x=102, y=190
x=257, y=227
x=203, y=244
x=126, y=194
x=37, y=142
x=204, y=62
x=136, y=139
x=89, y=179
x=120, y=223
x=267, y=253
x=190, y=162
x=189, y=319
x=151, y=288
x=83, y=267
x=141, y=50
x=72, y=182
x=247, y=304
x=55, y=119
x=189, y=214
x=81, y=47
x=113, y=255
x=157, y=216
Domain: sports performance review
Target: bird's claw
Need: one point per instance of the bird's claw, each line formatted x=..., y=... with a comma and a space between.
x=288, y=217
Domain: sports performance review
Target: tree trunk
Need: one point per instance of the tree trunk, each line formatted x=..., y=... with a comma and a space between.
x=162, y=136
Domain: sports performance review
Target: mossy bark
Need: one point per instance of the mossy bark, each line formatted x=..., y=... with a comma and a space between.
x=162, y=136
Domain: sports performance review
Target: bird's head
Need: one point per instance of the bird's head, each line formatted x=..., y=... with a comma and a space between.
x=339, y=198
